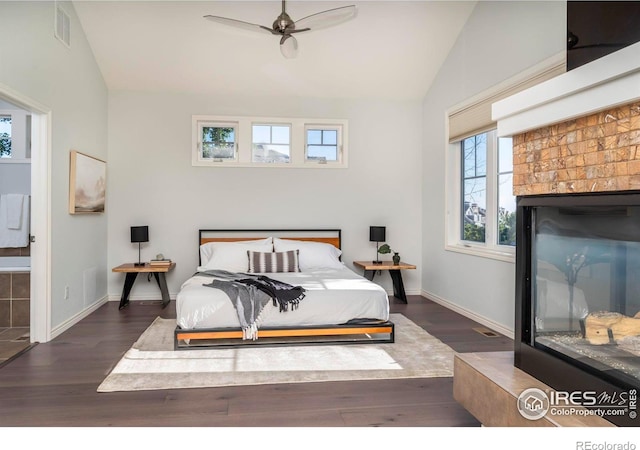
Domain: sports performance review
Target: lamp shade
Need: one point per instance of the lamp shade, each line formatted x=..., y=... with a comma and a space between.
x=140, y=234
x=377, y=234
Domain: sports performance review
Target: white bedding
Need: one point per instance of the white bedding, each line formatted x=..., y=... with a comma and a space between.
x=333, y=296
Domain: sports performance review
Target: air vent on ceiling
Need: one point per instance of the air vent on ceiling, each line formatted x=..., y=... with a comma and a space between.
x=63, y=26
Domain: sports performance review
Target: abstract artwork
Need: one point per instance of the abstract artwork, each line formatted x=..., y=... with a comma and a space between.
x=87, y=184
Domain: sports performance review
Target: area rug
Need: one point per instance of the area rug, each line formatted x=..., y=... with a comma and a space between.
x=151, y=363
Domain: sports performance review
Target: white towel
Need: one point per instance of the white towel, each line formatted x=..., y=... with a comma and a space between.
x=14, y=205
x=10, y=238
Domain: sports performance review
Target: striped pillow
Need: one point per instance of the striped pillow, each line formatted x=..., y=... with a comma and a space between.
x=260, y=262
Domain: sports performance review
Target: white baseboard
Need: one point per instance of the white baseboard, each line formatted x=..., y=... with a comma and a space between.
x=64, y=326
x=469, y=314
x=407, y=292
x=134, y=298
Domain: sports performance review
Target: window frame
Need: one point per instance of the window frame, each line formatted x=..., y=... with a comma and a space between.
x=323, y=128
x=244, y=141
x=471, y=117
x=271, y=125
x=216, y=124
x=11, y=156
x=499, y=174
x=490, y=248
x=464, y=178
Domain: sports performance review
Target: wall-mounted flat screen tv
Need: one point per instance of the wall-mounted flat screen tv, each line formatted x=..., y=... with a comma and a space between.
x=598, y=28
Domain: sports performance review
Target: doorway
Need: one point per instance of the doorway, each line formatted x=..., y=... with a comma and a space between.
x=40, y=229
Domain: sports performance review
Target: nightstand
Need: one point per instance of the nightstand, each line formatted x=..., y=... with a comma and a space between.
x=132, y=271
x=395, y=270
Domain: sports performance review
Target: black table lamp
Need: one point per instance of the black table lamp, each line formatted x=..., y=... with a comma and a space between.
x=139, y=234
x=377, y=235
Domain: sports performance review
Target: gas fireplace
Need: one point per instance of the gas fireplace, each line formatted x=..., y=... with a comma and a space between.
x=578, y=297
x=576, y=176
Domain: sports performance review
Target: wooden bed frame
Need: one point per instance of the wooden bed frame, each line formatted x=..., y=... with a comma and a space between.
x=350, y=333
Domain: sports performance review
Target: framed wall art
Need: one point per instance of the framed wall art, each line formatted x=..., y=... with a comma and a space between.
x=87, y=184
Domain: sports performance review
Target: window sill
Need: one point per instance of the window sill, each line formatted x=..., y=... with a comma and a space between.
x=15, y=161
x=272, y=165
x=482, y=252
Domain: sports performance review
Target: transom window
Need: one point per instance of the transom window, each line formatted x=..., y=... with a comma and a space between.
x=323, y=143
x=235, y=141
x=5, y=136
x=218, y=141
x=271, y=143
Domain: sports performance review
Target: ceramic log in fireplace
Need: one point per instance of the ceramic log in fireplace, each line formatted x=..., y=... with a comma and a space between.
x=578, y=258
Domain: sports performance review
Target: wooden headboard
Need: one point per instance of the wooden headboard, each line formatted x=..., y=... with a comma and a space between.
x=327, y=236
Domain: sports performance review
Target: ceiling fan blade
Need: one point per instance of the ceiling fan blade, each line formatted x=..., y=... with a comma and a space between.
x=239, y=24
x=325, y=19
x=288, y=46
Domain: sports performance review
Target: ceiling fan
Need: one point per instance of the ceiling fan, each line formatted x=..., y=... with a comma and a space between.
x=285, y=27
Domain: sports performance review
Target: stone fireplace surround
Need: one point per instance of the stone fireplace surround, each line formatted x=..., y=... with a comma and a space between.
x=599, y=152
x=576, y=133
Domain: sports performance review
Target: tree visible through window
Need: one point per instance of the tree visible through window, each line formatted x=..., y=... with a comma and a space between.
x=5, y=136
x=248, y=141
x=474, y=188
x=487, y=192
x=218, y=142
x=506, y=199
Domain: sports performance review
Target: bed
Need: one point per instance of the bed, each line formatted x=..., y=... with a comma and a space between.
x=337, y=304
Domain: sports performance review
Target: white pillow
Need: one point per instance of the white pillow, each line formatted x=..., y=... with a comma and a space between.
x=231, y=256
x=312, y=255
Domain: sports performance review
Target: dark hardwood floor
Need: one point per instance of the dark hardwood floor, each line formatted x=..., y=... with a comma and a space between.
x=54, y=384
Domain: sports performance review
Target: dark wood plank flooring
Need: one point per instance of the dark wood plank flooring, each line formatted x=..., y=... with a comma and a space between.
x=54, y=384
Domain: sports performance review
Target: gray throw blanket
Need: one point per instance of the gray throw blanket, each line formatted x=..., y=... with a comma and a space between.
x=249, y=294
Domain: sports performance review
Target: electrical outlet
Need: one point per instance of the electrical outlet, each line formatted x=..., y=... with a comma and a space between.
x=66, y=292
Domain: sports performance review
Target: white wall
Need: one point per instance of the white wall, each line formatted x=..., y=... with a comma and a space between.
x=15, y=177
x=151, y=181
x=499, y=40
x=66, y=80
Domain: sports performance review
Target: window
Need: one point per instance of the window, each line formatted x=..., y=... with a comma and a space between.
x=474, y=188
x=486, y=163
x=323, y=143
x=483, y=222
x=506, y=199
x=270, y=143
x=217, y=141
x=5, y=136
x=480, y=206
x=225, y=141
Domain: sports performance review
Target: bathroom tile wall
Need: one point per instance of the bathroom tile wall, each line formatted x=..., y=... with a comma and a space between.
x=14, y=299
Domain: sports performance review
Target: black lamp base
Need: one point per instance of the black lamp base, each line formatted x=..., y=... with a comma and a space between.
x=139, y=263
x=377, y=261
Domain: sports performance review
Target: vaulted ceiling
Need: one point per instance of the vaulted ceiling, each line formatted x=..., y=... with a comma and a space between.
x=391, y=49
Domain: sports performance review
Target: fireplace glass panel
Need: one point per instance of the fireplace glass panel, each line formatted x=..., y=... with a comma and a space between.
x=586, y=287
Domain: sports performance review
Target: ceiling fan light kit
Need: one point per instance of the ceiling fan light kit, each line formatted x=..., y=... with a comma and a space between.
x=285, y=27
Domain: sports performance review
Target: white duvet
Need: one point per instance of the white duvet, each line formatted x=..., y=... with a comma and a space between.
x=333, y=297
